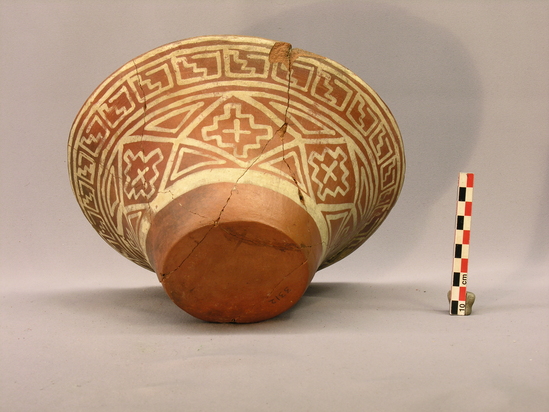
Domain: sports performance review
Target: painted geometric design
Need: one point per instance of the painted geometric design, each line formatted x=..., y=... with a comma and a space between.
x=191, y=66
x=241, y=64
x=141, y=173
x=329, y=172
x=216, y=107
x=287, y=166
x=331, y=90
x=156, y=80
x=87, y=197
x=361, y=115
x=383, y=145
x=339, y=224
x=237, y=131
x=86, y=167
x=460, y=267
x=188, y=160
x=115, y=109
x=170, y=122
x=112, y=193
x=95, y=134
x=309, y=127
x=302, y=76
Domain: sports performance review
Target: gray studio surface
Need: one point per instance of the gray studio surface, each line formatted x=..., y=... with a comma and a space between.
x=84, y=329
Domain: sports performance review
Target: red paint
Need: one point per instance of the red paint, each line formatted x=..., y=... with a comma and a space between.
x=463, y=293
x=470, y=179
x=468, y=208
x=464, y=265
x=466, y=237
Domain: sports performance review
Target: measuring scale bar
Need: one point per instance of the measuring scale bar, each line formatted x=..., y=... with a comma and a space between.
x=461, y=301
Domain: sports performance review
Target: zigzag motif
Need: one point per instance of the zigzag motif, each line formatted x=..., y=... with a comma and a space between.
x=95, y=131
x=118, y=107
x=248, y=71
x=201, y=74
x=161, y=84
x=194, y=66
x=329, y=95
x=86, y=171
x=191, y=89
x=243, y=63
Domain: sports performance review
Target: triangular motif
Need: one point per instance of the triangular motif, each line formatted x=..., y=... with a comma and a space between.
x=338, y=226
x=309, y=126
x=287, y=166
x=189, y=159
x=306, y=126
x=366, y=192
x=112, y=193
x=173, y=121
x=133, y=220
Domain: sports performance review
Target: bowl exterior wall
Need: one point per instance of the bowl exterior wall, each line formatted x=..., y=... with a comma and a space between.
x=238, y=110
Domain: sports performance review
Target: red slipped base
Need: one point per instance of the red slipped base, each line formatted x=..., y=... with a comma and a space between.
x=240, y=256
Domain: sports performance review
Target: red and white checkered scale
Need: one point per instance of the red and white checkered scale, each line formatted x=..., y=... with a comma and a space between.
x=458, y=293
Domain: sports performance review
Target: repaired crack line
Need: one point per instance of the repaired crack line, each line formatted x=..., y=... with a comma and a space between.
x=287, y=59
x=149, y=211
x=216, y=221
x=288, y=275
x=290, y=56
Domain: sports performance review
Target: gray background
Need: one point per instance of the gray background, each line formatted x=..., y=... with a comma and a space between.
x=468, y=82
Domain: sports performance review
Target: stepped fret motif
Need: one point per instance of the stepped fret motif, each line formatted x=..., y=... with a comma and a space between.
x=222, y=109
